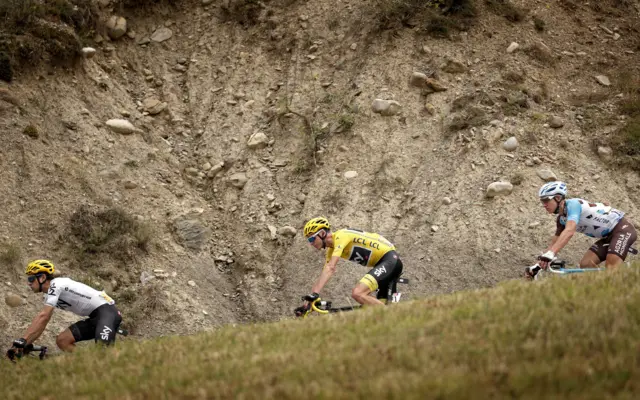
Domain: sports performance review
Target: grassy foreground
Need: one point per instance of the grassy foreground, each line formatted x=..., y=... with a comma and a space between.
x=570, y=338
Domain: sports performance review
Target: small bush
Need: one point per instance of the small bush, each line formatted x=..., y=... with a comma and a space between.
x=539, y=24
x=628, y=140
x=6, y=71
x=506, y=9
x=517, y=178
x=9, y=254
x=31, y=131
x=111, y=232
x=439, y=17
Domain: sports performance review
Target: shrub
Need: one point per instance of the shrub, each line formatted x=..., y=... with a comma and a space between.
x=9, y=254
x=110, y=232
x=6, y=71
x=539, y=24
x=31, y=131
x=506, y=9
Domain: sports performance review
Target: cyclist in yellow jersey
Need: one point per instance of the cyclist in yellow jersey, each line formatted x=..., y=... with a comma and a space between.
x=367, y=249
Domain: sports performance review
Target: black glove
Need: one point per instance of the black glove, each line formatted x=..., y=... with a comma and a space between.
x=300, y=311
x=311, y=297
x=20, y=343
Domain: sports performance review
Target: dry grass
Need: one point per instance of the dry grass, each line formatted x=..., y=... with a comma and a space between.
x=109, y=233
x=438, y=18
x=578, y=339
x=10, y=255
x=506, y=9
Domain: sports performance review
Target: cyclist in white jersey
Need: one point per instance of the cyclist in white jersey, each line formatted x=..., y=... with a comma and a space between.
x=598, y=220
x=78, y=298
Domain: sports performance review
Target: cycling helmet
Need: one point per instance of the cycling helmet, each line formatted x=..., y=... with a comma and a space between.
x=551, y=189
x=315, y=224
x=39, y=267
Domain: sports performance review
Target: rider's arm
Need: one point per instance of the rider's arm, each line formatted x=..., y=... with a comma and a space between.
x=328, y=270
x=559, y=242
x=38, y=324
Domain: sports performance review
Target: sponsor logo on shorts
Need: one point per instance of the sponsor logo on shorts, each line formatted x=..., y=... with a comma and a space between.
x=379, y=271
x=621, y=244
x=104, y=335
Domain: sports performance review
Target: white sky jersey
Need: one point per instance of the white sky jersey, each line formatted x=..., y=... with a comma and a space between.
x=593, y=219
x=69, y=295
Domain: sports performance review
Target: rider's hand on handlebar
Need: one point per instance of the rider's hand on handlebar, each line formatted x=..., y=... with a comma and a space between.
x=546, y=258
x=311, y=297
x=300, y=311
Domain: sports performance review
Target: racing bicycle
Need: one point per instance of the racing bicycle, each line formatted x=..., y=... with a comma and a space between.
x=326, y=307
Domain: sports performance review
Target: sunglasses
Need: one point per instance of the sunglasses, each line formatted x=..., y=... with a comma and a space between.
x=312, y=238
x=32, y=278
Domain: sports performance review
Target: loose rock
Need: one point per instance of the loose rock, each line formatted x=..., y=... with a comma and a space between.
x=215, y=170
x=238, y=179
x=117, y=27
x=510, y=144
x=605, y=152
x=88, y=52
x=191, y=283
x=434, y=228
x=556, y=122
x=499, y=188
x=273, y=232
x=603, y=80
x=547, y=175
x=161, y=34
x=258, y=141
x=386, y=107
x=418, y=80
x=153, y=106
x=287, y=231
x=446, y=201
x=130, y=185
x=121, y=126
x=512, y=47
x=350, y=174
x=13, y=300
x=190, y=232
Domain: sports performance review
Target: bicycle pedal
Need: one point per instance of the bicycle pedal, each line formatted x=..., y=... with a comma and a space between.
x=403, y=280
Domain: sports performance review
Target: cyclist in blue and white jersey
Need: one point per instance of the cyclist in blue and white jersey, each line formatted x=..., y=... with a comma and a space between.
x=598, y=220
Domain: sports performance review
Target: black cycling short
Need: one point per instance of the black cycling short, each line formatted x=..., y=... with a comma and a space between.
x=101, y=325
x=384, y=276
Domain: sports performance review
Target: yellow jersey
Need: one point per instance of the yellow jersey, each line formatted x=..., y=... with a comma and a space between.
x=360, y=247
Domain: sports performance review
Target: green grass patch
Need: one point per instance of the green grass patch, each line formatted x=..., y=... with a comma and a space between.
x=568, y=337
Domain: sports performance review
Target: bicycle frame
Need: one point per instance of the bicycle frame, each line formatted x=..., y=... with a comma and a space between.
x=558, y=267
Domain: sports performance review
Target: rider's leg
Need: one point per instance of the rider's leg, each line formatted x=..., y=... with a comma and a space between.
x=361, y=292
x=66, y=341
x=621, y=239
x=590, y=259
x=613, y=261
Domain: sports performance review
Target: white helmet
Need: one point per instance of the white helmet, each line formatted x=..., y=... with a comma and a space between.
x=551, y=189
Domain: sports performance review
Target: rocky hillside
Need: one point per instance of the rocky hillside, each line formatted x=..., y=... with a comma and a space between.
x=174, y=153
